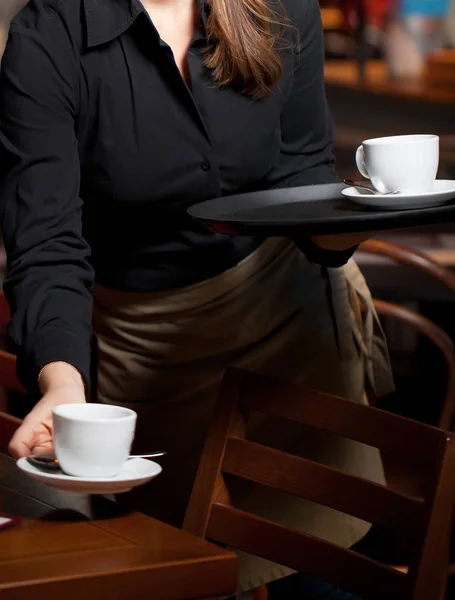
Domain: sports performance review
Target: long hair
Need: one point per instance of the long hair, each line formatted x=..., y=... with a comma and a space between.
x=243, y=38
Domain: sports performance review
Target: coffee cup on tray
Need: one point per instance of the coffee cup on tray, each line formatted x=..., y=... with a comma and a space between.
x=402, y=163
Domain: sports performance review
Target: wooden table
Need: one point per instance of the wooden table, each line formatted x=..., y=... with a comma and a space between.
x=74, y=547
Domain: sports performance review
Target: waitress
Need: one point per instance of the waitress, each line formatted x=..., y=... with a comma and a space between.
x=115, y=117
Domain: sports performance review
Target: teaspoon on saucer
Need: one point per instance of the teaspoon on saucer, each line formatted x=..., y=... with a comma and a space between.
x=367, y=187
x=49, y=461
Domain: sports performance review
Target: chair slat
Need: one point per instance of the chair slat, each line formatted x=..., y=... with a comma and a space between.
x=304, y=553
x=413, y=258
x=365, y=424
x=319, y=483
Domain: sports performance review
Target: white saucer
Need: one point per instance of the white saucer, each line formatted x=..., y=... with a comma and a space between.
x=136, y=471
x=443, y=191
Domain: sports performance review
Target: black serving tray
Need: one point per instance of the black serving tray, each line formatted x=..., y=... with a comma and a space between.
x=314, y=209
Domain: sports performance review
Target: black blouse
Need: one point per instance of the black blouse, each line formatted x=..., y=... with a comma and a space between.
x=104, y=147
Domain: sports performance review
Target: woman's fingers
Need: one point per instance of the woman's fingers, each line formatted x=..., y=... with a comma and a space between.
x=29, y=438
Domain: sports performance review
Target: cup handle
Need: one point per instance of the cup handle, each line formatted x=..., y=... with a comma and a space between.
x=360, y=161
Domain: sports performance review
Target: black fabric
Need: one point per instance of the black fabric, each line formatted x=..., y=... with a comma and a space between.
x=104, y=147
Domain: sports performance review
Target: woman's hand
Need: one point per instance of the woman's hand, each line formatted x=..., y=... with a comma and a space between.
x=340, y=242
x=61, y=384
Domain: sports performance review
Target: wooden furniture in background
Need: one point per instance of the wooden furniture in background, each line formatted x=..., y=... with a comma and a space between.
x=440, y=69
x=400, y=477
x=333, y=18
x=412, y=258
x=421, y=262
x=394, y=280
x=227, y=453
x=405, y=478
x=439, y=338
x=347, y=23
x=342, y=73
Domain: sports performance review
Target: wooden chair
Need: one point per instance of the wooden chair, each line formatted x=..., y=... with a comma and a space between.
x=397, y=478
x=435, y=334
x=412, y=258
x=426, y=328
x=407, y=479
x=227, y=453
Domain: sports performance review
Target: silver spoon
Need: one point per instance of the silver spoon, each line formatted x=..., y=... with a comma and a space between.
x=48, y=461
x=367, y=187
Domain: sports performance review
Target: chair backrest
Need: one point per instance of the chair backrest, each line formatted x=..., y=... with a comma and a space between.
x=440, y=339
x=421, y=262
x=227, y=453
x=412, y=258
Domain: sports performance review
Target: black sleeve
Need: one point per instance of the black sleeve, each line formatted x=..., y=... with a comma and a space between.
x=48, y=283
x=306, y=156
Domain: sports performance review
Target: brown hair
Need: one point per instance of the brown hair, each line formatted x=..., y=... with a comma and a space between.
x=243, y=37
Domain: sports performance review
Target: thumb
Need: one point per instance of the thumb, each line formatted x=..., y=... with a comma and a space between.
x=30, y=437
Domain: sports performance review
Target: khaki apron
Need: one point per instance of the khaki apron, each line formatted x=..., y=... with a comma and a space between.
x=164, y=354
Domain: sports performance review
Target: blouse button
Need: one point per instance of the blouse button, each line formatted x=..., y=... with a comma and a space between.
x=206, y=166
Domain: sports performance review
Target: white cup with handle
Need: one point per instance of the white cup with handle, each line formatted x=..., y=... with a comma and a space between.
x=403, y=163
x=93, y=440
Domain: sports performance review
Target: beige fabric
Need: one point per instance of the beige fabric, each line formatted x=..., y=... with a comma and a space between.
x=164, y=354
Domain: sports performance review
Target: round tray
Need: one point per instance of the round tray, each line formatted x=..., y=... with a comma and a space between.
x=314, y=209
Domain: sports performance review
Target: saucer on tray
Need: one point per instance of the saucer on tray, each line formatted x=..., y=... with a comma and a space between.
x=443, y=190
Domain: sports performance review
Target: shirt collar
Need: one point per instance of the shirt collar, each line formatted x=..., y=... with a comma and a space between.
x=107, y=19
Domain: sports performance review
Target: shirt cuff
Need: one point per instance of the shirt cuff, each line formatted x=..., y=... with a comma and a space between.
x=53, y=347
x=326, y=258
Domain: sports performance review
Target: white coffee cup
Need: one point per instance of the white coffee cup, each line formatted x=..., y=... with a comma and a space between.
x=93, y=440
x=403, y=163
